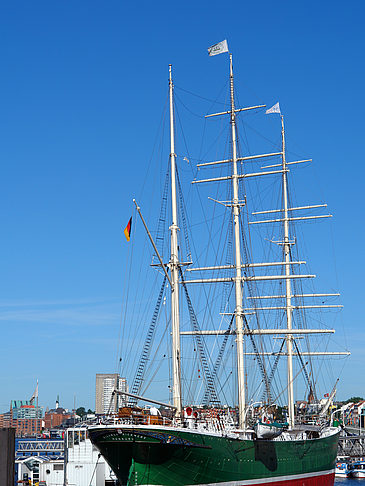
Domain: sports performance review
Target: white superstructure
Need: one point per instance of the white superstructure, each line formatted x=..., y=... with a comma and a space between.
x=84, y=466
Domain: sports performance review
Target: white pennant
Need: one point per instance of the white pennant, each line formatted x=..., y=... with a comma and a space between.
x=274, y=109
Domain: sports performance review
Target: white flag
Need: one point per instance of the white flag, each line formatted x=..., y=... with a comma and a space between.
x=218, y=48
x=274, y=109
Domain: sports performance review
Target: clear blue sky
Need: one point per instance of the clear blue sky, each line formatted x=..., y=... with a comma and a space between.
x=81, y=89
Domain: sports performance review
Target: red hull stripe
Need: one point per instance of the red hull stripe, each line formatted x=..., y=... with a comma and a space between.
x=326, y=478
x=322, y=478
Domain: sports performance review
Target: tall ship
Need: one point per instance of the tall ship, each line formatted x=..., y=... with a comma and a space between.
x=240, y=354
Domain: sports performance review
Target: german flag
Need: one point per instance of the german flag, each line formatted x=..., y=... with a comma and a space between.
x=128, y=229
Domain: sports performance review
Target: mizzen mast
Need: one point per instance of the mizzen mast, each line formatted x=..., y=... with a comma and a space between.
x=174, y=264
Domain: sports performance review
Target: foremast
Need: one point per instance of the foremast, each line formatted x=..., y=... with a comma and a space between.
x=174, y=264
x=238, y=280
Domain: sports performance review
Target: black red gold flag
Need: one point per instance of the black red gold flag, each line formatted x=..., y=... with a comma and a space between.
x=128, y=229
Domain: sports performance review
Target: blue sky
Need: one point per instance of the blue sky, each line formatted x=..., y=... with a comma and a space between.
x=81, y=92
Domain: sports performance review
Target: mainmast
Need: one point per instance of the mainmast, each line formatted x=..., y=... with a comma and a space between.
x=288, y=292
x=238, y=279
x=174, y=265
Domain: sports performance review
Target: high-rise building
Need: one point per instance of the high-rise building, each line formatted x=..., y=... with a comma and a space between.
x=105, y=384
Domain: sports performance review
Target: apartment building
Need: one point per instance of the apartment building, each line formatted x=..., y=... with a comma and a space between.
x=105, y=384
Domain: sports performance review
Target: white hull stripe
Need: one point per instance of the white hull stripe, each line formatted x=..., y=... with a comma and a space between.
x=264, y=480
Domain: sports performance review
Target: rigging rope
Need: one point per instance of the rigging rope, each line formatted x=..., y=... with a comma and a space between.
x=138, y=379
x=183, y=218
x=218, y=361
x=208, y=376
x=160, y=233
x=252, y=339
x=310, y=384
x=274, y=366
x=96, y=465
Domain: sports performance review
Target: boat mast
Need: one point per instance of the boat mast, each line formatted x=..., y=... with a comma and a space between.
x=238, y=279
x=174, y=265
x=288, y=293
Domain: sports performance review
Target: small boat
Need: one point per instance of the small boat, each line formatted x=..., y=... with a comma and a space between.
x=357, y=470
x=269, y=430
x=342, y=469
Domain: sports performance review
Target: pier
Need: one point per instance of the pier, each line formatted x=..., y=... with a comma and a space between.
x=351, y=445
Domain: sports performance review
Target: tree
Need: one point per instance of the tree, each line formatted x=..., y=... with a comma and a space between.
x=81, y=412
x=354, y=400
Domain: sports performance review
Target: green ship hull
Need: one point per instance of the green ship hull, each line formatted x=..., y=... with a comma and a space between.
x=152, y=455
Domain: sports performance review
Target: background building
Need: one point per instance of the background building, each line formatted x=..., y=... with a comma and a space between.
x=26, y=418
x=105, y=384
x=5, y=420
x=24, y=409
x=55, y=417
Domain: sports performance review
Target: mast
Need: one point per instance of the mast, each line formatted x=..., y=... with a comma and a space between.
x=288, y=293
x=238, y=279
x=174, y=265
